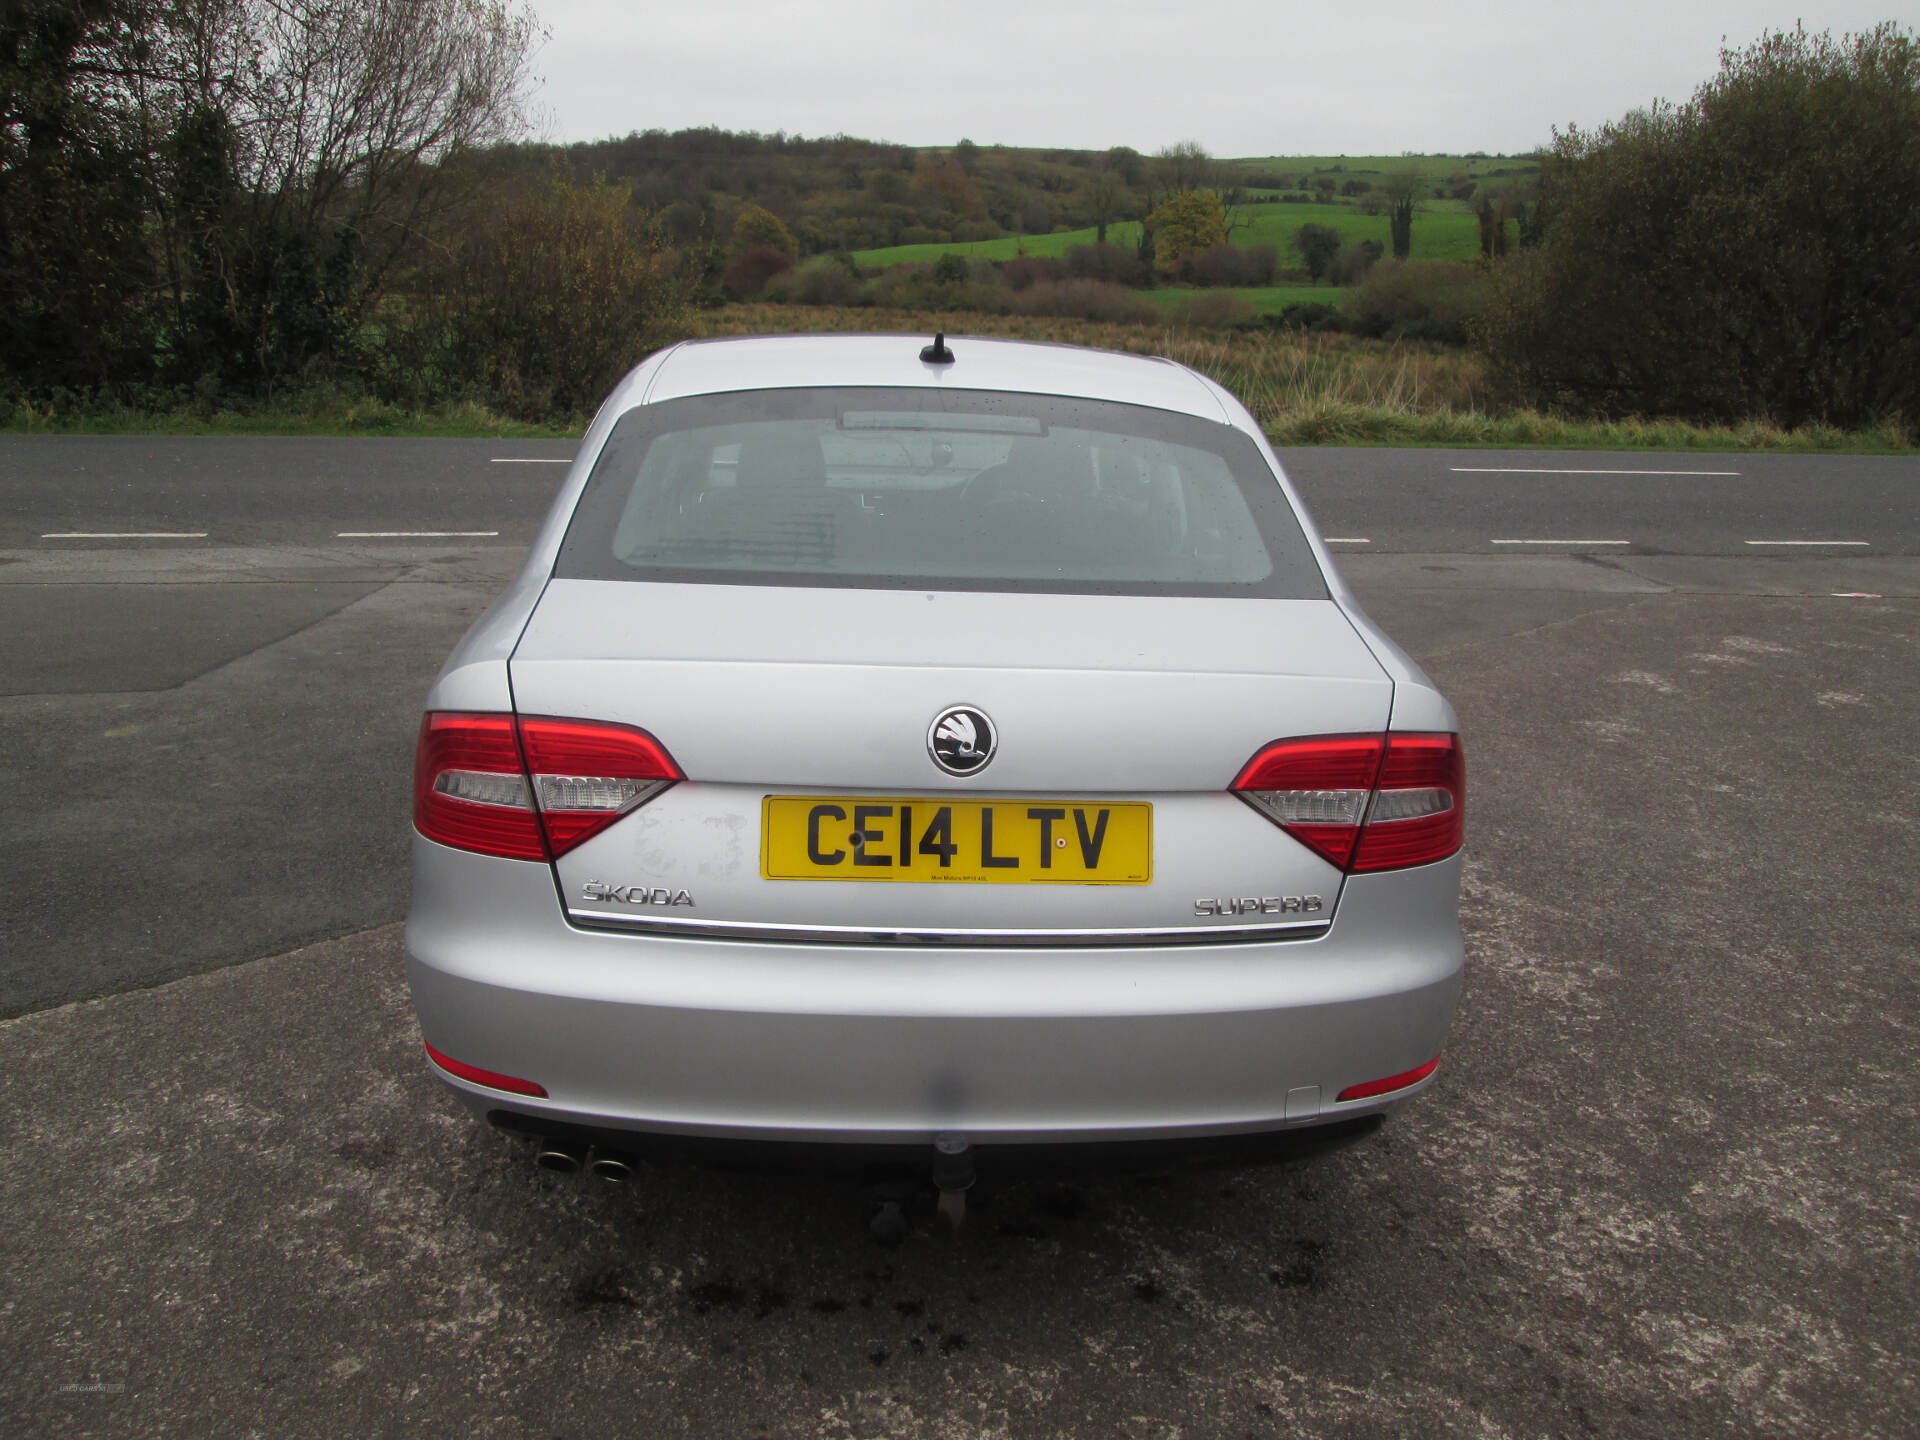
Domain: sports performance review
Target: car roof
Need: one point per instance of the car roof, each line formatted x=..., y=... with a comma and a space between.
x=784, y=362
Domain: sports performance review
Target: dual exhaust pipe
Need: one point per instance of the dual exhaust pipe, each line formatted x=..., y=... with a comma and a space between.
x=563, y=1157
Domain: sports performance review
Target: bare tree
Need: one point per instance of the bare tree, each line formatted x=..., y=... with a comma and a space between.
x=314, y=143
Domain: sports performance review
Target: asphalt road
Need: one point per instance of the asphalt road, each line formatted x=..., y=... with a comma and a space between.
x=1663, y=1187
x=245, y=491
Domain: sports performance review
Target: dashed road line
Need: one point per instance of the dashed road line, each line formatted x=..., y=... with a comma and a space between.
x=1346, y=540
x=1562, y=542
x=1526, y=470
x=415, y=534
x=125, y=535
x=1805, y=542
x=524, y=460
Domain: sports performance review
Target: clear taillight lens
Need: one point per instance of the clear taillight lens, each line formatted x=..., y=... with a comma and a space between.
x=1363, y=802
x=530, y=789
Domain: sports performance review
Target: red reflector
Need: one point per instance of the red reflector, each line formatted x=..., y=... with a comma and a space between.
x=1391, y=1083
x=456, y=754
x=490, y=1078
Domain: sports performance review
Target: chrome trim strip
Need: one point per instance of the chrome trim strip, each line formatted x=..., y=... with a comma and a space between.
x=858, y=935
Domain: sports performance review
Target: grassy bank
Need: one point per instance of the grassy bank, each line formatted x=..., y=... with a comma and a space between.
x=1304, y=390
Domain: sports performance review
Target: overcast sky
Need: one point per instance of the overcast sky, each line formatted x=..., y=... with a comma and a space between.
x=1243, y=77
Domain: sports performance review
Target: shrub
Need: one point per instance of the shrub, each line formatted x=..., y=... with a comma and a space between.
x=950, y=269
x=1109, y=262
x=1219, y=310
x=1353, y=263
x=1318, y=246
x=1083, y=300
x=748, y=275
x=1024, y=270
x=1225, y=264
x=1419, y=300
x=546, y=304
x=822, y=281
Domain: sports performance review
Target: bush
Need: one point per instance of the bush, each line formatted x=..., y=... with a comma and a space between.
x=1117, y=263
x=1024, y=270
x=1318, y=246
x=747, y=276
x=951, y=269
x=1217, y=311
x=1419, y=300
x=1353, y=263
x=822, y=281
x=548, y=303
x=1749, y=253
x=1083, y=300
x=1225, y=264
x=1309, y=315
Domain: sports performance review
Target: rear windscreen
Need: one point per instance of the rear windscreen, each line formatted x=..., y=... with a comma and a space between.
x=936, y=489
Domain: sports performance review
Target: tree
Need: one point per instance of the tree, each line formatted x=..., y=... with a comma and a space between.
x=1319, y=246
x=1105, y=192
x=1755, y=251
x=1402, y=191
x=76, y=271
x=757, y=227
x=548, y=303
x=1187, y=222
x=317, y=142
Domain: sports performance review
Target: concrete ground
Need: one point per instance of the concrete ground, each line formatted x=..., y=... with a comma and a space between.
x=1665, y=1184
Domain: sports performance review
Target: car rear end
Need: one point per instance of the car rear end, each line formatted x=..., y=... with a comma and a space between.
x=876, y=750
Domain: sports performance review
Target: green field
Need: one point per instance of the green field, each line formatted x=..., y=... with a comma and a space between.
x=1443, y=230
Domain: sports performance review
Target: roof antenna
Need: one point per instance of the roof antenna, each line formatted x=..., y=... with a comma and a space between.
x=937, y=353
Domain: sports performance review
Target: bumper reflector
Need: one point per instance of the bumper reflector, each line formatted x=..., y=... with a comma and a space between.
x=491, y=1078
x=1393, y=1082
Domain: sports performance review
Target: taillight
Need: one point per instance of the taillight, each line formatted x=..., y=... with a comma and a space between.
x=1363, y=802
x=470, y=789
x=533, y=789
x=587, y=775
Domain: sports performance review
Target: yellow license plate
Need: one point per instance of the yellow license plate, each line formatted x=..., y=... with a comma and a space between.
x=1003, y=842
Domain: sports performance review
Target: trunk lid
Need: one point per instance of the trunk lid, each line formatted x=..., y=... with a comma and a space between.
x=1102, y=705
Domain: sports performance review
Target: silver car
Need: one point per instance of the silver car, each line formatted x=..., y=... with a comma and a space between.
x=889, y=744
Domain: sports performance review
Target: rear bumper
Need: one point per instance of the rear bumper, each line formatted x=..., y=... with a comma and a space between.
x=890, y=1045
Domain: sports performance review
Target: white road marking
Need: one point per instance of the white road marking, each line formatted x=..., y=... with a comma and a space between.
x=415, y=534
x=125, y=535
x=518, y=460
x=1562, y=542
x=1804, y=542
x=1520, y=470
x=1346, y=540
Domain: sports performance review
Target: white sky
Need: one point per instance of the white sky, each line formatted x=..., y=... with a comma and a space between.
x=1243, y=77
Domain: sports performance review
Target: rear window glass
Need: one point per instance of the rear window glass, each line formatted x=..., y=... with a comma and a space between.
x=936, y=489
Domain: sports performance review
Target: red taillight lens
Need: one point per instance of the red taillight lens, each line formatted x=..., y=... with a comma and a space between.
x=1391, y=1083
x=1363, y=802
x=587, y=775
x=1315, y=789
x=471, y=789
x=513, y=1085
x=1419, y=813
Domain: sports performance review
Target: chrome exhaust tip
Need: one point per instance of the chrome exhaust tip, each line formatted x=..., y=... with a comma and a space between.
x=614, y=1169
x=560, y=1157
